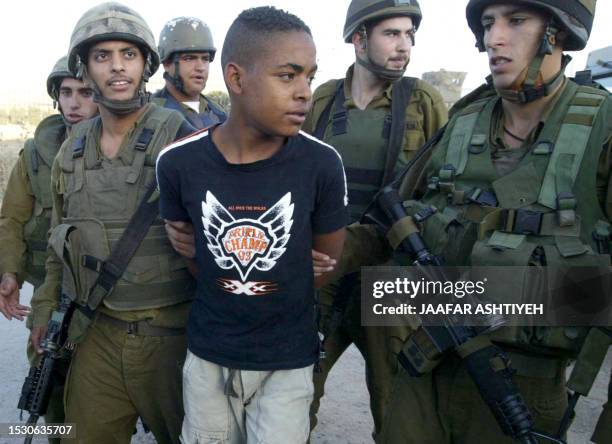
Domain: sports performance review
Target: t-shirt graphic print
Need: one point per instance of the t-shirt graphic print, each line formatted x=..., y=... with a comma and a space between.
x=245, y=244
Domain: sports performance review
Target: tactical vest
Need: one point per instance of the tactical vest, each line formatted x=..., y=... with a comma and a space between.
x=100, y=196
x=544, y=212
x=205, y=119
x=368, y=141
x=39, y=154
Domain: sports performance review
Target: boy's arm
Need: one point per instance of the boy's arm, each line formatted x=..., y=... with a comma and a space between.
x=177, y=221
x=330, y=216
x=329, y=244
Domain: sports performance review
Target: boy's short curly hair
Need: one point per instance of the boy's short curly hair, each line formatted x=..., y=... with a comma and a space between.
x=252, y=30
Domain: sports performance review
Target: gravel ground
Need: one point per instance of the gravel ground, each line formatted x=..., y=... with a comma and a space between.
x=344, y=415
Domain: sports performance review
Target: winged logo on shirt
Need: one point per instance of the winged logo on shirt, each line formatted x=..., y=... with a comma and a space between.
x=247, y=244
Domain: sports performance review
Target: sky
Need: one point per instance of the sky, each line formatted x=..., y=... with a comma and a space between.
x=34, y=34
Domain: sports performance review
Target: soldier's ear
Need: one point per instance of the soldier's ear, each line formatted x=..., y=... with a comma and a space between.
x=359, y=40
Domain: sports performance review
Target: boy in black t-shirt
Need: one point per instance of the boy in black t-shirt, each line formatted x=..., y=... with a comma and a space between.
x=260, y=195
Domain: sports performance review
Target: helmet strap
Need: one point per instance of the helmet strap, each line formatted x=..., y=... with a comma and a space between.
x=120, y=107
x=66, y=123
x=176, y=79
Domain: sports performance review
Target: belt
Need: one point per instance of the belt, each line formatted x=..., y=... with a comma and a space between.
x=140, y=328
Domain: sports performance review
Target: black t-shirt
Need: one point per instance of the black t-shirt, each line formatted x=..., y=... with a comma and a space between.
x=253, y=225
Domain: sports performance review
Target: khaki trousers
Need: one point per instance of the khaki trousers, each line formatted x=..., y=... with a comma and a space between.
x=379, y=347
x=116, y=377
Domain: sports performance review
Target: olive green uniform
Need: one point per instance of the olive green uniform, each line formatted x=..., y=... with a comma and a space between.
x=603, y=430
x=128, y=362
x=25, y=218
x=445, y=406
x=209, y=112
x=363, y=149
x=25, y=215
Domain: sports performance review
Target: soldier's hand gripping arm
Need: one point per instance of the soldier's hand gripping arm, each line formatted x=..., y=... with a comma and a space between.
x=181, y=237
x=16, y=210
x=45, y=298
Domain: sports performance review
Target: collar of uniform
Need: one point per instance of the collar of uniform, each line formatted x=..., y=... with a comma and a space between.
x=497, y=127
x=380, y=101
x=203, y=104
x=125, y=155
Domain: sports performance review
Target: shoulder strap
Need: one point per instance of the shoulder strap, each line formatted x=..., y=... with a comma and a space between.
x=400, y=96
x=570, y=147
x=461, y=135
x=31, y=156
x=77, y=152
x=217, y=111
x=110, y=270
x=319, y=132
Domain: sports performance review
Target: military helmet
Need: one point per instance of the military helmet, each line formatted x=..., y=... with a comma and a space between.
x=59, y=72
x=573, y=16
x=185, y=34
x=362, y=11
x=111, y=21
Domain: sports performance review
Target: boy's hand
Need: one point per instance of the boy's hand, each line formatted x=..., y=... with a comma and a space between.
x=181, y=237
x=322, y=263
x=9, y=298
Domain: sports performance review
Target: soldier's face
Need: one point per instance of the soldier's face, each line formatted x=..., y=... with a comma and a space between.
x=389, y=43
x=116, y=67
x=275, y=90
x=193, y=69
x=512, y=35
x=76, y=100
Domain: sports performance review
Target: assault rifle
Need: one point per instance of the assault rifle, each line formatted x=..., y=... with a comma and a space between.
x=37, y=387
x=488, y=365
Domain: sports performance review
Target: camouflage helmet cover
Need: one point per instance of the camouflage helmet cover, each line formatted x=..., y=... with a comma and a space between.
x=363, y=11
x=111, y=21
x=185, y=34
x=59, y=72
x=574, y=17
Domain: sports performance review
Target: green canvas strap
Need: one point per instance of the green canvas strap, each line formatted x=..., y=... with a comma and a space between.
x=140, y=147
x=461, y=136
x=400, y=97
x=570, y=146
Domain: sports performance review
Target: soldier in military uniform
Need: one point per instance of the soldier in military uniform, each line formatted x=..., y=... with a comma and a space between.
x=186, y=50
x=25, y=216
x=128, y=325
x=520, y=176
x=376, y=118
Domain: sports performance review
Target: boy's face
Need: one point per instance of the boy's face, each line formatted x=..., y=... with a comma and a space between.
x=276, y=94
